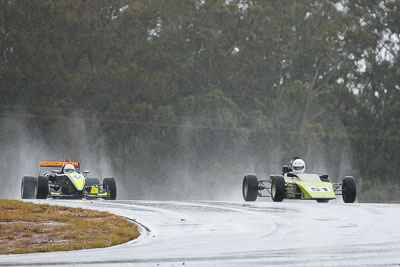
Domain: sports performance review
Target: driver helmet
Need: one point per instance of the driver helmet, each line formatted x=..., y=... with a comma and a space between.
x=69, y=168
x=298, y=166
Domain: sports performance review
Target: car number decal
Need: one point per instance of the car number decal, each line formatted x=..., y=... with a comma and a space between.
x=318, y=189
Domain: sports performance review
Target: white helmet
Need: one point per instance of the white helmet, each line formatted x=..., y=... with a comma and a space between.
x=69, y=168
x=298, y=166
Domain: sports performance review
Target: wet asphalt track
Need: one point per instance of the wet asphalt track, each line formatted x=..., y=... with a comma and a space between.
x=296, y=233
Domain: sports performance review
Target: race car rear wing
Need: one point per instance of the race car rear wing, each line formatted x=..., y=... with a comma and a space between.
x=58, y=163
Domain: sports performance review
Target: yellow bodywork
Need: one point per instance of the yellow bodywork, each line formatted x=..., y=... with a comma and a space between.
x=312, y=187
x=94, y=190
x=78, y=180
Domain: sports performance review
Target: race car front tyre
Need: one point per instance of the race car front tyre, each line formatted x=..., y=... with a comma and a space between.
x=277, y=188
x=109, y=183
x=349, y=189
x=28, y=187
x=250, y=187
x=42, y=188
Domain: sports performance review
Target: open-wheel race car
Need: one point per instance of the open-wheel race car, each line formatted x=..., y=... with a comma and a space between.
x=66, y=182
x=291, y=185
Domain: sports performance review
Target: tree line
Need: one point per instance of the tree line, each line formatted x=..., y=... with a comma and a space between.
x=204, y=89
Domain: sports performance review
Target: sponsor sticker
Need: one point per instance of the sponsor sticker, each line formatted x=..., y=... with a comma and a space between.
x=56, y=163
x=318, y=189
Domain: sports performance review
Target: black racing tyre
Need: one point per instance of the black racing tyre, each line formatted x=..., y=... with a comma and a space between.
x=349, y=190
x=277, y=188
x=109, y=183
x=250, y=187
x=92, y=181
x=42, y=187
x=28, y=187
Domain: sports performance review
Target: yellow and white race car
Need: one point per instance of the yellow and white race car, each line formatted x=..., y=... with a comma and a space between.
x=303, y=186
x=66, y=184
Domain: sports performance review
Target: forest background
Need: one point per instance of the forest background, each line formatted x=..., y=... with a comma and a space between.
x=178, y=99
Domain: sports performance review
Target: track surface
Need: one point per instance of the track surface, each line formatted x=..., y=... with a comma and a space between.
x=300, y=233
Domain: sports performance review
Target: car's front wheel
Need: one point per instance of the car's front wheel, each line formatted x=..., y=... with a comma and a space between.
x=277, y=188
x=250, y=187
x=349, y=189
x=109, y=183
x=42, y=187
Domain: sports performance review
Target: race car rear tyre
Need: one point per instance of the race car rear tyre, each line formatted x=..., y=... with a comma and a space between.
x=277, y=188
x=109, y=183
x=349, y=190
x=28, y=187
x=250, y=187
x=42, y=187
x=92, y=181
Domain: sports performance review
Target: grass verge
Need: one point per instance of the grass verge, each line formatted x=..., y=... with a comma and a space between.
x=26, y=227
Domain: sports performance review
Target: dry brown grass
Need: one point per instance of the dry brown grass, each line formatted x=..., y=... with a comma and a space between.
x=27, y=227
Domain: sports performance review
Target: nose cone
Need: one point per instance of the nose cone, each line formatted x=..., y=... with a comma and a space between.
x=78, y=180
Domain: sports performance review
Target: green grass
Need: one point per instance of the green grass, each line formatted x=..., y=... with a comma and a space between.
x=26, y=227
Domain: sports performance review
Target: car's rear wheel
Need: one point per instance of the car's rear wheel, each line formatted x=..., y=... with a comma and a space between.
x=349, y=189
x=277, y=188
x=250, y=187
x=111, y=186
x=42, y=187
x=28, y=187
